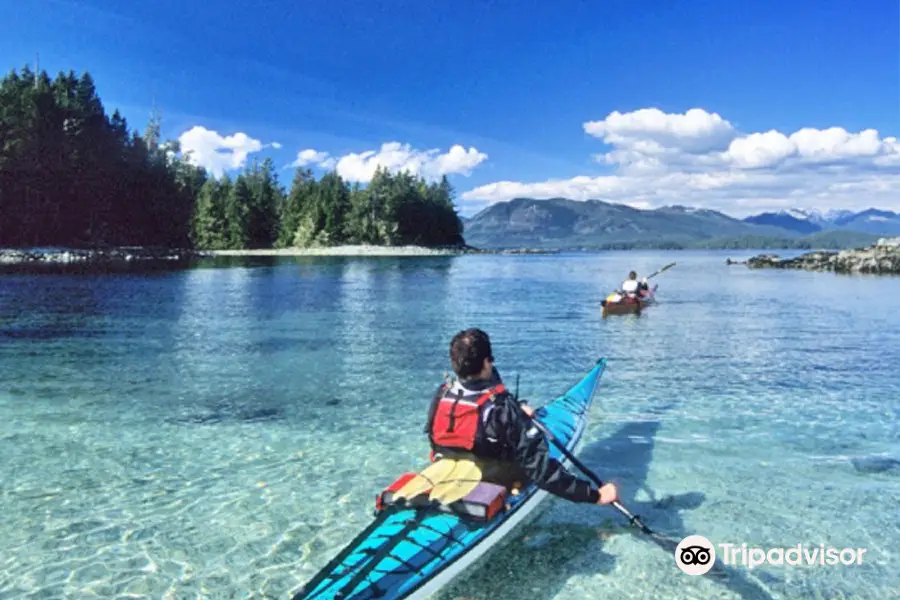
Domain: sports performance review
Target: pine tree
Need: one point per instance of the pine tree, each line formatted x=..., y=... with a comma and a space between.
x=333, y=200
x=71, y=175
x=296, y=206
x=237, y=213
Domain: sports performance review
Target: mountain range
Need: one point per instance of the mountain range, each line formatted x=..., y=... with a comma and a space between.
x=872, y=220
x=563, y=224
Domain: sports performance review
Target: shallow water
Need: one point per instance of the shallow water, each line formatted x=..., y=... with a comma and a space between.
x=221, y=432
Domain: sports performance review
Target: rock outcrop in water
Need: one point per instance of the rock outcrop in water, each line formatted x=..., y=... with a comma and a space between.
x=876, y=464
x=883, y=258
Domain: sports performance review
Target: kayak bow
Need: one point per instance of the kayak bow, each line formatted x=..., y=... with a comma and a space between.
x=411, y=552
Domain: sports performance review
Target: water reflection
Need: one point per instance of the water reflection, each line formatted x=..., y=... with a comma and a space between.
x=91, y=325
x=245, y=325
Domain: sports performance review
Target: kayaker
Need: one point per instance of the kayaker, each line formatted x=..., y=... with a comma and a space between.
x=631, y=287
x=478, y=417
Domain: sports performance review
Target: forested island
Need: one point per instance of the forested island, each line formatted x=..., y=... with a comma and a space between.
x=72, y=176
x=78, y=185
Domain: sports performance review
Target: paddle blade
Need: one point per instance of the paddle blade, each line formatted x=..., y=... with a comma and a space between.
x=425, y=481
x=665, y=268
x=464, y=478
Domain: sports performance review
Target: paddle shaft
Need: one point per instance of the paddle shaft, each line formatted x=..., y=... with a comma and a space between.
x=665, y=268
x=655, y=273
x=633, y=519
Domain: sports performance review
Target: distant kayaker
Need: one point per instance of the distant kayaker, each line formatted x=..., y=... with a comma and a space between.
x=478, y=417
x=631, y=287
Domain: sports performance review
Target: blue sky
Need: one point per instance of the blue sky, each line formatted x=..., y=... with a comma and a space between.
x=526, y=89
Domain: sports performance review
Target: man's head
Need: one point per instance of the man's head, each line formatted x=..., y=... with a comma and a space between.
x=470, y=354
x=632, y=275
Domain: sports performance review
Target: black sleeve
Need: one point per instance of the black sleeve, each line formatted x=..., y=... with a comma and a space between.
x=532, y=452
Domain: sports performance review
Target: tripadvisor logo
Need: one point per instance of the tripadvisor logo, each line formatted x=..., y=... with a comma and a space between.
x=696, y=555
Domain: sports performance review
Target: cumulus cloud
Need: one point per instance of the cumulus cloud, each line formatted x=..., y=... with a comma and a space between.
x=312, y=157
x=395, y=157
x=699, y=158
x=216, y=153
x=650, y=128
x=810, y=146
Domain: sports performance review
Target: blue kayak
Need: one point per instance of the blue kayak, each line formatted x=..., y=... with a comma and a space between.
x=411, y=552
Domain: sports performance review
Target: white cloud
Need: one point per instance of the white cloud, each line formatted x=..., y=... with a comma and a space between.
x=700, y=159
x=696, y=130
x=832, y=145
x=310, y=157
x=217, y=154
x=760, y=149
x=395, y=157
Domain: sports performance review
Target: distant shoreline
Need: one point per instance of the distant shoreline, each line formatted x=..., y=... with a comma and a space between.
x=126, y=256
x=123, y=256
x=348, y=250
x=370, y=250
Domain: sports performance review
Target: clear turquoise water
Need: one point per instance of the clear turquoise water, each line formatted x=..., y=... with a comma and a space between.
x=221, y=432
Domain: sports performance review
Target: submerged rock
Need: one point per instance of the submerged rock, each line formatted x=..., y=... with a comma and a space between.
x=883, y=258
x=228, y=413
x=875, y=464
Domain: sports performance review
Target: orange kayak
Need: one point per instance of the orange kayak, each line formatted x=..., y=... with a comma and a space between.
x=614, y=304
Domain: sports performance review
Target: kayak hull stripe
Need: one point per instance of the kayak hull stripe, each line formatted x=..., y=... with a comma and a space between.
x=442, y=544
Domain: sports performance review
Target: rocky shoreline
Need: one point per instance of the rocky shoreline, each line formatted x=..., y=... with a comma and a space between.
x=81, y=259
x=366, y=250
x=76, y=255
x=78, y=259
x=882, y=258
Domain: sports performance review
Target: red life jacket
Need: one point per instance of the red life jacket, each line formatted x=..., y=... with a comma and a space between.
x=458, y=419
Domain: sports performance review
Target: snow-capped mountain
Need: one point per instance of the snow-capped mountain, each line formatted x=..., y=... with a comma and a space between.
x=805, y=221
x=833, y=216
x=812, y=215
x=880, y=222
x=792, y=220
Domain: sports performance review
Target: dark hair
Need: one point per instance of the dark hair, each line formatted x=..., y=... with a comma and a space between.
x=632, y=275
x=468, y=351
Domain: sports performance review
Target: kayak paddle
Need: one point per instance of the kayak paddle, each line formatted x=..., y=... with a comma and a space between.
x=663, y=270
x=425, y=481
x=651, y=275
x=737, y=581
x=465, y=477
x=634, y=520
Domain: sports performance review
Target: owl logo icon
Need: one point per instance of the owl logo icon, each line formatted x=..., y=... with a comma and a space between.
x=695, y=555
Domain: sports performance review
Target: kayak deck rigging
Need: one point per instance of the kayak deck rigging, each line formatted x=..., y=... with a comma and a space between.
x=371, y=558
x=411, y=550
